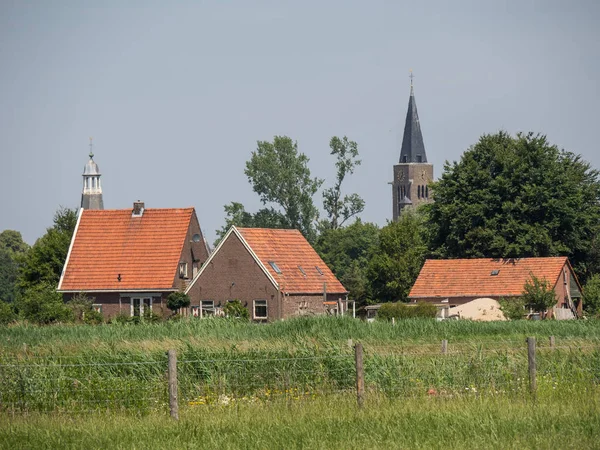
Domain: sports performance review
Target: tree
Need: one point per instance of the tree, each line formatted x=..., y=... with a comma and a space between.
x=45, y=260
x=512, y=308
x=398, y=258
x=41, y=304
x=538, y=294
x=591, y=295
x=347, y=251
x=279, y=174
x=339, y=209
x=11, y=247
x=516, y=197
x=177, y=300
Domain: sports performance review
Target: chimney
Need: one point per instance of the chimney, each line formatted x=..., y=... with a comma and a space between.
x=138, y=209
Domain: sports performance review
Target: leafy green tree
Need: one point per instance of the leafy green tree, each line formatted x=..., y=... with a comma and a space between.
x=43, y=263
x=398, y=258
x=538, y=294
x=591, y=295
x=347, y=252
x=279, y=174
x=41, y=304
x=516, y=197
x=7, y=313
x=339, y=209
x=236, y=309
x=11, y=248
x=177, y=300
x=513, y=308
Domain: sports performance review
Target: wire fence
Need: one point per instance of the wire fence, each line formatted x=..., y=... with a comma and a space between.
x=73, y=385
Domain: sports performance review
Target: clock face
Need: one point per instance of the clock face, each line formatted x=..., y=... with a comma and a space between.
x=400, y=176
x=424, y=175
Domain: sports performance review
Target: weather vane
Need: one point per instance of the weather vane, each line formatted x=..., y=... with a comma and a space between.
x=411, y=76
x=91, y=152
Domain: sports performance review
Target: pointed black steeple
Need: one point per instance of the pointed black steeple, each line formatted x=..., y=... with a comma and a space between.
x=413, y=149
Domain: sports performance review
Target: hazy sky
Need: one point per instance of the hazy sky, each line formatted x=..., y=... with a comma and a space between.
x=176, y=94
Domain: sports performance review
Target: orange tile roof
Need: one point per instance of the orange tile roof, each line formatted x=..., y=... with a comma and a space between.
x=446, y=278
x=289, y=250
x=144, y=250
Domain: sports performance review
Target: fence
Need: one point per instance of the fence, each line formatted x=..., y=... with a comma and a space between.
x=164, y=383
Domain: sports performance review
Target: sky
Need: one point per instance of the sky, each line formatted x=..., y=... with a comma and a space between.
x=177, y=94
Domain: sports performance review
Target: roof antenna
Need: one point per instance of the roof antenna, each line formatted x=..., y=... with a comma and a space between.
x=91, y=152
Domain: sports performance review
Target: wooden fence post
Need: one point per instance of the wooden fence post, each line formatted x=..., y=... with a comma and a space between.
x=444, y=346
x=360, y=374
x=532, y=366
x=173, y=404
x=552, y=342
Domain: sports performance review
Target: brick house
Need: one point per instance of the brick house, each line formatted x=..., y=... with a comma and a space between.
x=130, y=260
x=454, y=282
x=275, y=273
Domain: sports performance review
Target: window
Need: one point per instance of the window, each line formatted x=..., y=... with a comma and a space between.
x=138, y=305
x=419, y=191
x=302, y=270
x=405, y=159
x=426, y=191
x=260, y=309
x=419, y=158
x=183, y=273
x=495, y=273
x=207, y=308
x=195, y=311
x=275, y=267
x=319, y=270
x=97, y=308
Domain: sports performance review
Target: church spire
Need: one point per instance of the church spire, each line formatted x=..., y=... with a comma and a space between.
x=91, y=196
x=413, y=149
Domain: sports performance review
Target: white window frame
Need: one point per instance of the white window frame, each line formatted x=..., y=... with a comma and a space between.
x=141, y=299
x=183, y=270
x=212, y=309
x=254, y=305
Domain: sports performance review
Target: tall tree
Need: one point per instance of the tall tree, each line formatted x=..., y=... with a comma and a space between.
x=398, y=258
x=279, y=174
x=347, y=251
x=515, y=197
x=236, y=214
x=339, y=209
x=45, y=260
x=11, y=247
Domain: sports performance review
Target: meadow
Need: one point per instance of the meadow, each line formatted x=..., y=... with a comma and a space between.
x=293, y=384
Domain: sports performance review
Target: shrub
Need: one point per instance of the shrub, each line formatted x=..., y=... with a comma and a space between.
x=177, y=300
x=591, y=295
x=401, y=310
x=41, y=304
x=513, y=308
x=236, y=309
x=7, y=313
x=83, y=310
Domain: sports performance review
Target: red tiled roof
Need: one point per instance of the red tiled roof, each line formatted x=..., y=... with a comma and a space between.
x=472, y=277
x=289, y=250
x=144, y=250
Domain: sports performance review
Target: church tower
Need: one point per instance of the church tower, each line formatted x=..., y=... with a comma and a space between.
x=91, y=196
x=413, y=174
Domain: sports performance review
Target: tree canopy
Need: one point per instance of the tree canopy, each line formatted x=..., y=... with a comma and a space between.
x=339, y=209
x=516, y=197
x=11, y=249
x=45, y=259
x=279, y=174
x=398, y=258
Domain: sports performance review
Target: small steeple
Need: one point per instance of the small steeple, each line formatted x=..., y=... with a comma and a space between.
x=413, y=148
x=91, y=196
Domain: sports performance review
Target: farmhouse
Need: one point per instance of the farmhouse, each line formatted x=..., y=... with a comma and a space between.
x=130, y=260
x=458, y=281
x=274, y=273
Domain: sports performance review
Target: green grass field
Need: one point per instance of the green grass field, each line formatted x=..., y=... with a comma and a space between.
x=292, y=384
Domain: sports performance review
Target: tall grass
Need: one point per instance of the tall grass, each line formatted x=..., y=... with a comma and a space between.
x=300, y=332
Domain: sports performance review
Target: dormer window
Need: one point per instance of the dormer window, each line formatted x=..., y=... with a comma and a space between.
x=419, y=158
x=275, y=267
x=183, y=270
